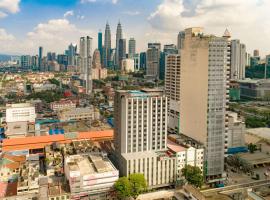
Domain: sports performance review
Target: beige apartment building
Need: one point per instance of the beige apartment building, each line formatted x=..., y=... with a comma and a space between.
x=204, y=79
x=172, y=90
x=141, y=136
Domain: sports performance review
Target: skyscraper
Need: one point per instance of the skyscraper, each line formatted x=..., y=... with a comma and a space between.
x=107, y=46
x=119, y=35
x=40, y=56
x=51, y=56
x=141, y=136
x=97, y=71
x=153, y=60
x=86, y=62
x=204, y=72
x=100, y=45
x=167, y=50
x=143, y=60
x=131, y=48
x=256, y=53
x=180, y=40
x=26, y=62
x=121, y=51
x=238, y=60
x=72, y=49
x=172, y=89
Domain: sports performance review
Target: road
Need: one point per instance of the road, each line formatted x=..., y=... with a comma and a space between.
x=238, y=187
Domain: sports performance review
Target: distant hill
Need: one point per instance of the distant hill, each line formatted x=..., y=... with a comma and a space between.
x=4, y=57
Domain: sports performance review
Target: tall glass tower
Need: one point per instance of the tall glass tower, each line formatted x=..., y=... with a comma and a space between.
x=107, y=45
x=119, y=36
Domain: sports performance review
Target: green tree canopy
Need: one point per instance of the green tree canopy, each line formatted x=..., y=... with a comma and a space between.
x=193, y=175
x=123, y=187
x=138, y=184
x=132, y=186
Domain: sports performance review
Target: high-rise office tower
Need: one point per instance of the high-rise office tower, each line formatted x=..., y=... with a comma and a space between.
x=204, y=79
x=51, y=56
x=167, y=50
x=143, y=60
x=107, y=46
x=100, y=45
x=153, y=60
x=131, y=48
x=40, y=56
x=256, y=53
x=141, y=135
x=26, y=62
x=238, y=60
x=34, y=61
x=172, y=89
x=119, y=35
x=122, y=51
x=72, y=50
x=86, y=62
x=180, y=40
x=96, y=59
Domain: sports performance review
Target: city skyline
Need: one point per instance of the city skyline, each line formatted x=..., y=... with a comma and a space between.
x=26, y=24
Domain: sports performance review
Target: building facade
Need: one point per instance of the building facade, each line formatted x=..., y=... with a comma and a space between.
x=141, y=136
x=238, y=60
x=172, y=89
x=86, y=62
x=131, y=48
x=153, y=60
x=204, y=96
x=106, y=53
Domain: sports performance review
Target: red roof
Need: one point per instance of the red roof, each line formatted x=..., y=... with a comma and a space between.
x=38, y=142
x=175, y=147
x=8, y=189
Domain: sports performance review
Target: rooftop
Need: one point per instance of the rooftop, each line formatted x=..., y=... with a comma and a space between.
x=175, y=147
x=262, y=133
x=89, y=165
x=38, y=142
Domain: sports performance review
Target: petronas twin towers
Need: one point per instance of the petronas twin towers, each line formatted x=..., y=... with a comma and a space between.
x=107, y=45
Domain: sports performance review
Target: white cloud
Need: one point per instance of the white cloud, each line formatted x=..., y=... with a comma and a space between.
x=2, y=14
x=93, y=1
x=81, y=17
x=11, y=6
x=88, y=1
x=56, y=34
x=4, y=36
x=69, y=13
x=247, y=20
x=132, y=13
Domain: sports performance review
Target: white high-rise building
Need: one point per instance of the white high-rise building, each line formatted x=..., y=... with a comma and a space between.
x=86, y=62
x=141, y=136
x=153, y=60
x=238, y=60
x=172, y=89
x=204, y=96
x=131, y=48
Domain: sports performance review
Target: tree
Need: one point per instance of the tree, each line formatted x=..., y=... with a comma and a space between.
x=252, y=147
x=123, y=187
x=193, y=175
x=138, y=184
x=132, y=186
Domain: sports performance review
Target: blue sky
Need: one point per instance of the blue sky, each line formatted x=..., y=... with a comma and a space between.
x=27, y=24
